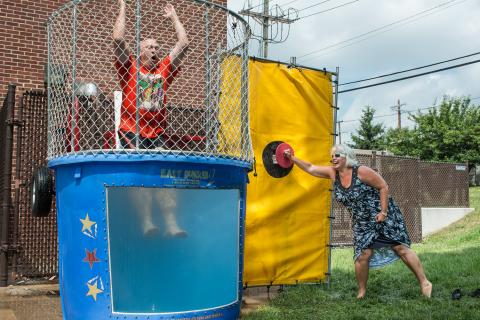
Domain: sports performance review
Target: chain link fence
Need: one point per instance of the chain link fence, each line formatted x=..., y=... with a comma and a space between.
x=31, y=243
x=448, y=184
x=6, y=147
x=36, y=238
x=413, y=184
x=147, y=77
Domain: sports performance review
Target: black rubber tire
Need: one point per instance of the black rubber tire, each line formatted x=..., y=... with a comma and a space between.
x=41, y=192
x=273, y=169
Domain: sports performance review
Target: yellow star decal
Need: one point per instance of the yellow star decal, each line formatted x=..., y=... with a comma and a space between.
x=87, y=224
x=93, y=290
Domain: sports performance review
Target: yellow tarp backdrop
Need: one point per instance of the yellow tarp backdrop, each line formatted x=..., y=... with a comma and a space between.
x=287, y=225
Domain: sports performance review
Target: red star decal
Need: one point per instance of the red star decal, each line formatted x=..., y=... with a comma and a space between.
x=91, y=258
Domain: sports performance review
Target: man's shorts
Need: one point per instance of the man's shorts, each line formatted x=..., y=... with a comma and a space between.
x=128, y=141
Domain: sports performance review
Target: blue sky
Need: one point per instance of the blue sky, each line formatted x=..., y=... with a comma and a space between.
x=445, y=30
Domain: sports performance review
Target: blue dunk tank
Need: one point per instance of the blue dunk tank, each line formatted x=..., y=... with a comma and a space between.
x=150, y=164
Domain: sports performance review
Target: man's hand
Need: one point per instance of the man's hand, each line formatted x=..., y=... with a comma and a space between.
x=121, y=50
x=170, y=12
x=178, y=52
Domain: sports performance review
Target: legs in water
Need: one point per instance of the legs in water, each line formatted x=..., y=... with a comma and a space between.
x=166, y=199
x=361, y=272
x=142, y=198
x=147, y=200
x=411, y=260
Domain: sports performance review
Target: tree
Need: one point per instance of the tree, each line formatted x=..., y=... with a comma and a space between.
x=402, y=141
x=369, y=136
x=450, y=132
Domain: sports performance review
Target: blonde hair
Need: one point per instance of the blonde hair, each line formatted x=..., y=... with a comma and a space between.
x=350, y=158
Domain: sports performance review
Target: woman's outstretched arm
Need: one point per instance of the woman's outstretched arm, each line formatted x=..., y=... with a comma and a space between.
x=317, y=171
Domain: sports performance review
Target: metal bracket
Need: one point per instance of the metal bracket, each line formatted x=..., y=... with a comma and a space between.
x=9, y=248
x=14, y=122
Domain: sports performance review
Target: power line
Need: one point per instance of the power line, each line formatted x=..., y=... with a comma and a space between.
x=281, y=5
x=329, y=9
x=268, y=20
x=391, y=26
x=379, y=28
x=384, y=31
x=403, y=111
x=314, y=5
x=374, y=117
x=412, y=69
x=258, y=5
x=412, y=76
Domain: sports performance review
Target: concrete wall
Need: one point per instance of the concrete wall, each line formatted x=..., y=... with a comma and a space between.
x=434, y=219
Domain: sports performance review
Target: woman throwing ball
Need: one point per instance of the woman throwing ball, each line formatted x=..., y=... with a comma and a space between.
x=380, y=235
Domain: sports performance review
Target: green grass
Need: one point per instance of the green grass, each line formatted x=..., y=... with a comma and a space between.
x=451, y=259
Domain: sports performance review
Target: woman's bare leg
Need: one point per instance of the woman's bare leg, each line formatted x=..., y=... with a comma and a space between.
x=411, y=260
x=361, y=272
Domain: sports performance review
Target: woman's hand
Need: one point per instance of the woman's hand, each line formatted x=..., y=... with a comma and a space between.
x=287, y=154
x=380, y=217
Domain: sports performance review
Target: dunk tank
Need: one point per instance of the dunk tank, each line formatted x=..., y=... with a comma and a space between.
x=150, y=183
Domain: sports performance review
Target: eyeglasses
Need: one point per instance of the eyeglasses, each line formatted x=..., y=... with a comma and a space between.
x=338, y=155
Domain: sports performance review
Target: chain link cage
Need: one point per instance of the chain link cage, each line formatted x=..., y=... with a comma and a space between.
x=157, y=78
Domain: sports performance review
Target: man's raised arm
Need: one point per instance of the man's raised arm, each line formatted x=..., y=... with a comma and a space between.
x=178, y=52
x=122, y=53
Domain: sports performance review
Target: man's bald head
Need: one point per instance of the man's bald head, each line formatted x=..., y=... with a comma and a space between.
x=150, y=54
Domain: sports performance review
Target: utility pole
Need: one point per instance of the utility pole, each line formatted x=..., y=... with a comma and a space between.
x=267, y=20
x=339, y=132
x=398, y=108
x=265, y=28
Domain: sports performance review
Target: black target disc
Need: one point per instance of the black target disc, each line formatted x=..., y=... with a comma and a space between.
x=269, y=161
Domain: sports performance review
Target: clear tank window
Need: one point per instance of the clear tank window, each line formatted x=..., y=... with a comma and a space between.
x=172, y=250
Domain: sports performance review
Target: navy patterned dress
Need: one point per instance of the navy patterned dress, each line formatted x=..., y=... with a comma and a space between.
x=363, y=203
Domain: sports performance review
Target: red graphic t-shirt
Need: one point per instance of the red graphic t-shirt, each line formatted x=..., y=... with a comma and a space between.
x=152, y=87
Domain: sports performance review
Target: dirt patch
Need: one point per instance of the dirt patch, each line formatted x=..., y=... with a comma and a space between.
x=255, y=297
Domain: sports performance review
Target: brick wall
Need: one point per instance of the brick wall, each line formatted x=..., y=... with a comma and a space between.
x=23, y=48
x=23, y=40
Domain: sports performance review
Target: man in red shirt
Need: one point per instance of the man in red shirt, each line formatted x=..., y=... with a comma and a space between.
x=156, y=73
x=155, y=76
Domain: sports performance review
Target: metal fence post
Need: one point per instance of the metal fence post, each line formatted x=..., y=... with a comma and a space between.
x=332, y=196
x=18, y=184
x=7, y=128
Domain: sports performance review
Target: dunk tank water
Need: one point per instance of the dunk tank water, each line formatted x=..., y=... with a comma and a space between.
x=150, y=154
